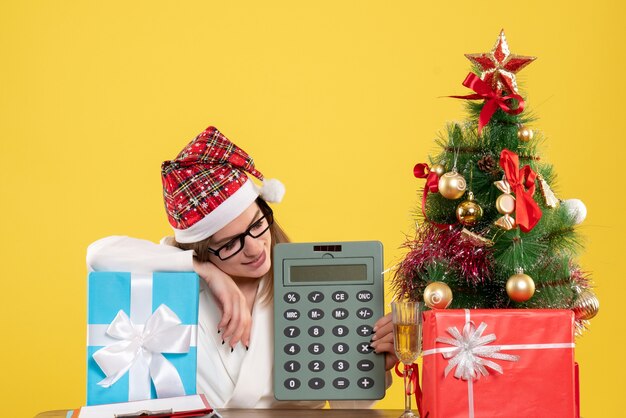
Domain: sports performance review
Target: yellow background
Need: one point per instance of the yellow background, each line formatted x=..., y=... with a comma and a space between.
x=338, y=99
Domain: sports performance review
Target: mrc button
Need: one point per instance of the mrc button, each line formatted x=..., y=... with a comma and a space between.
x=291, y=314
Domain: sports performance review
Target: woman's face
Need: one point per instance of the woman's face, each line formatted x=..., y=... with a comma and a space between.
x=254, y=260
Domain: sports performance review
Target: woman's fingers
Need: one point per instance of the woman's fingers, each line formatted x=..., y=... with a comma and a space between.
x=382, y=340
x=383, y=330
x=235, y=324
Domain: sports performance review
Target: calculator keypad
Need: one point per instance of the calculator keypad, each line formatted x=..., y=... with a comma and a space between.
x=345, y=348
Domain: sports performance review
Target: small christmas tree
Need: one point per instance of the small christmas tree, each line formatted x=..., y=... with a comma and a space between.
x=492, y=234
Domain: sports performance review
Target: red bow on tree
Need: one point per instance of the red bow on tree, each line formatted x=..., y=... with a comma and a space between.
x=422, y=171
x=527, y=212
x=493, y=100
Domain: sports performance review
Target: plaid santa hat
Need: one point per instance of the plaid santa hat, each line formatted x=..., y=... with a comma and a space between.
x=206, y=186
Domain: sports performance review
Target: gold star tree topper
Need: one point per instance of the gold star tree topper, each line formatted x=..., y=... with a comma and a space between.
x=498, y=67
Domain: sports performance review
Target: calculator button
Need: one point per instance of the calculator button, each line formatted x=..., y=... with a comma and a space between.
x=365, y=382
x=292, y=366
x=292, y=332
x=364, y=296
x=316, y=366
x=292, y=349
x=291, y=297
x=341, y=383
x=316, y=348
x=316, y=314
x=316, y=331
x=340, y=296
x=292, y=384
x=341, y=366
x=340, y=331
x=365, y=313
x=316, y=383
x=340, y=348
x=365, y=365
x=364, y=348
x=340, y=313
x=316, y=297
x=291, y=314
x=364, y=330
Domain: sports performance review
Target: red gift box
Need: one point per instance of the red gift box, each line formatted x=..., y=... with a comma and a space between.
x=499, y=363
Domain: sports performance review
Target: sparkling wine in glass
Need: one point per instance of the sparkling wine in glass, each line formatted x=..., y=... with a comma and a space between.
x=407, y=338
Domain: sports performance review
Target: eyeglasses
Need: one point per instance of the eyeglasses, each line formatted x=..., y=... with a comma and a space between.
x=235, y=245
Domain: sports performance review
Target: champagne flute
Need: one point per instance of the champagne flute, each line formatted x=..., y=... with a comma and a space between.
x=407, y=340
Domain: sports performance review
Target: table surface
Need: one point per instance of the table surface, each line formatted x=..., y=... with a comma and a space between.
x=282, y=413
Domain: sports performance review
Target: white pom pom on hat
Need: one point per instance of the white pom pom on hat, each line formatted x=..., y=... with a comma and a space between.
x=272, y=191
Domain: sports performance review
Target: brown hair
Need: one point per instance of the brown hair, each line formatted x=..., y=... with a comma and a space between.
x=278, y=236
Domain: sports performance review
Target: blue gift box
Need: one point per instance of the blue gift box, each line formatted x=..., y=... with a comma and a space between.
x=140, y=326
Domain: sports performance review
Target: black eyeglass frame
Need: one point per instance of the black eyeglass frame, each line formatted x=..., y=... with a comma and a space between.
x=269, y=216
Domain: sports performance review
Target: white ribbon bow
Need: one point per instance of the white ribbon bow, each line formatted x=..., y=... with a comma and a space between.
x=141, y=346
x=470, y=356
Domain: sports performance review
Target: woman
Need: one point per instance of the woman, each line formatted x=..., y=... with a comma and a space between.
x=225, y=231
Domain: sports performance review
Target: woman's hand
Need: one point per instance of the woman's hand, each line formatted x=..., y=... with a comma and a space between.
x=382, y=340
x=236, y=319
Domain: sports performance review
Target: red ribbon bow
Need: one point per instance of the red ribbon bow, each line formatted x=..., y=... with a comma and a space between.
x=422, y=171
x=413, y=383
x=492, y=98
x=527, y=212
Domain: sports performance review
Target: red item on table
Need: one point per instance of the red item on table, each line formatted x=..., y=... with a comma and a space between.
x=511, y=362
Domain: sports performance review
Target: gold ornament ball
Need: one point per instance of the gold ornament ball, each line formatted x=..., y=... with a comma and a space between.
x=520, y=287
x=469, y=213
x=586, y=306
x=438, y=169
x=452, y=185
x=525, y=134
x=505, y=204
x=437, y=295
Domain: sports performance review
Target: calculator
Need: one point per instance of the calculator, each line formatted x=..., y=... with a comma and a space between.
x=327, y=297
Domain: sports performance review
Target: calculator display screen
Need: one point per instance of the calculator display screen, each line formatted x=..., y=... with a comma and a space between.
x=328, y=273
